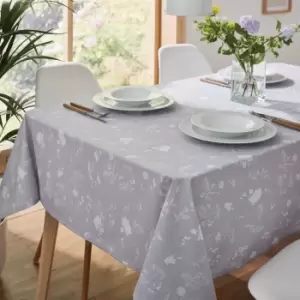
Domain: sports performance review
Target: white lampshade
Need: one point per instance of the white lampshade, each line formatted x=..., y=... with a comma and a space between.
x=188, y=7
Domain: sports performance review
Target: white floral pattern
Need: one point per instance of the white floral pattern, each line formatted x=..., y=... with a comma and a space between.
x=178, y=211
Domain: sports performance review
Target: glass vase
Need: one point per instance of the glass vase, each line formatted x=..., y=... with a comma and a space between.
x=248, y=83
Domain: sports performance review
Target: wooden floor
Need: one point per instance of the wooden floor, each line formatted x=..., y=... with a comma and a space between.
x=109, y=279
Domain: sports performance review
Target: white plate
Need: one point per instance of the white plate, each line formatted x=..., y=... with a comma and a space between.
x=150, y=106
x=271, y=78
x=275, y=78
x=226, y=124
x=264, y=134
x=133, y=95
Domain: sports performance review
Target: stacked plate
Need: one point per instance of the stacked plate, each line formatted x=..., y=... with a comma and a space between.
x=271, y=77
x=133, y=98
x=227, y=128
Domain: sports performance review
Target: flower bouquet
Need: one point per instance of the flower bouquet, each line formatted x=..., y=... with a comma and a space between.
x=243, y=41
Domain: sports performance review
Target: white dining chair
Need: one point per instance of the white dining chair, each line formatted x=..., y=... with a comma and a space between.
x=59, y=83
x=279, y=278
x=180, y=61
x=65, y=82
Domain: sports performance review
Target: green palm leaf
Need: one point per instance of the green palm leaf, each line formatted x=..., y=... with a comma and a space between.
x=10, y=136
x=17, y=46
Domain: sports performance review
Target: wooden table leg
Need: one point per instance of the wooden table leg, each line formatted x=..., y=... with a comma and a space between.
x=86, y=270
x=48, y=247
x=38, y=251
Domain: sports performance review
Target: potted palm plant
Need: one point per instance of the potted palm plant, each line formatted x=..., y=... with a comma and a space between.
x=17, y=46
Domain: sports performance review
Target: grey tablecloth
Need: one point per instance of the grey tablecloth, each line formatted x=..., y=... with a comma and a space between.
x=179, y=211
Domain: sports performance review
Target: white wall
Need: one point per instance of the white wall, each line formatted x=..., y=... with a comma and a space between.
x=233, y=9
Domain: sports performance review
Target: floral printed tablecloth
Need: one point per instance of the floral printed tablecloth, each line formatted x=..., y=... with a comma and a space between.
x=178, y=211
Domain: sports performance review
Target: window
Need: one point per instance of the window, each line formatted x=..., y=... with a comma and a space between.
x=114, y=38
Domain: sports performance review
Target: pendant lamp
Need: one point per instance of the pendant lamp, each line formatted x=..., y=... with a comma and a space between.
x=188, y=7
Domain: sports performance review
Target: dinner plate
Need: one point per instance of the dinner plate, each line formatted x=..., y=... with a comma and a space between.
x=226, y=124
x=271, y=78
x=133, y=95
x=264, y=134
x=275, y=78
x=157, y=104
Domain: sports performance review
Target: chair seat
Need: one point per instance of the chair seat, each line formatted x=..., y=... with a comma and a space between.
x=279, y=279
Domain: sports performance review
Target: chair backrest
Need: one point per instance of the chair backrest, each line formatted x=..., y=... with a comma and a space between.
x=65, y=82
x=180, y=61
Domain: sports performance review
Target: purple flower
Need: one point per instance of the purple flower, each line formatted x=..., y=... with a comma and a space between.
x=287, y=32
x=249, y=24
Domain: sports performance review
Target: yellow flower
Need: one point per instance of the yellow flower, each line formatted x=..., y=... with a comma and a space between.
x=216, y=10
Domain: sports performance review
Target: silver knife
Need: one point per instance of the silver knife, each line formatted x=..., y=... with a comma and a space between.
x=260, y=115
x=278, y=121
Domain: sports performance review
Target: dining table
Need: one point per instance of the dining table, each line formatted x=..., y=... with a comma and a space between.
x=179, y=211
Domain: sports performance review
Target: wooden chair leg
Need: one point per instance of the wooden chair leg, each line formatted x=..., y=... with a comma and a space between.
x=37, y=254
x=86, y=271
x=48, y=247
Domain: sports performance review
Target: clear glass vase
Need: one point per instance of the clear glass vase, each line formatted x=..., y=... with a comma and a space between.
x=248, y=83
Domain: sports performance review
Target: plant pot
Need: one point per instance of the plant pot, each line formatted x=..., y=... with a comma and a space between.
x=5, y=150
x=2, y=244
